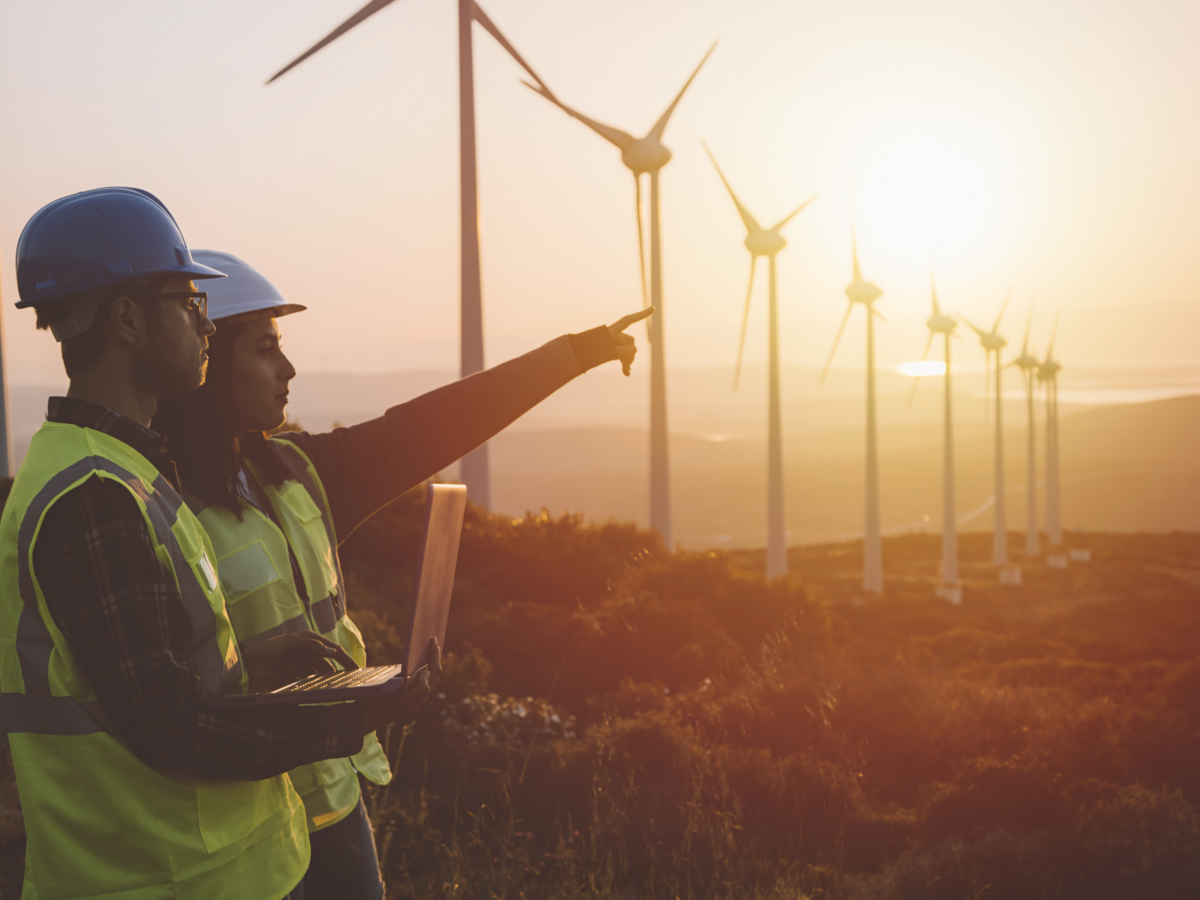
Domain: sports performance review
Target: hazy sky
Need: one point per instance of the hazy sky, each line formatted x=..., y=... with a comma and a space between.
x=1050, y=144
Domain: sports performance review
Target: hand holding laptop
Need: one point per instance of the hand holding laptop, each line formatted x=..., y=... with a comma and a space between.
x=401, y=707
x=287, y=657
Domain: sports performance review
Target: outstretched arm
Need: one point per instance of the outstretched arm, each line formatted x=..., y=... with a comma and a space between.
x=368, y=465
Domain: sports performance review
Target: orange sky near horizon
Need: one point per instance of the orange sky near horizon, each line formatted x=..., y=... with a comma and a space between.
x=1050, y=145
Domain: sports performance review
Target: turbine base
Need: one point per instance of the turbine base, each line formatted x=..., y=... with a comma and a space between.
x=950, y=592
x=1081, y=555
x=1057, y=561
x=1010, y=575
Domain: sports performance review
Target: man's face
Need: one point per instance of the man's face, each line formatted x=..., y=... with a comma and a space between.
x=174, y=356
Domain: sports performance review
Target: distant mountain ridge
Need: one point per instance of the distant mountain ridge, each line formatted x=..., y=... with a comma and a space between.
x=1126, y=467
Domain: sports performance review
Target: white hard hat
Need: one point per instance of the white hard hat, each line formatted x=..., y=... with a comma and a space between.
x=245, y=293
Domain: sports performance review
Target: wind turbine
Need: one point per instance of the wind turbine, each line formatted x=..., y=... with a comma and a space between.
x=993, y=344
x=767, y=242
x=864, y=292
x=940, y=323
x=1028, y=364
x=475, y=470
x=643, y=156
x=1047, y=374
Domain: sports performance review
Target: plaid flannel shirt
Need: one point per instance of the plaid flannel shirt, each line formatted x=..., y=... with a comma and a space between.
x=122, y=615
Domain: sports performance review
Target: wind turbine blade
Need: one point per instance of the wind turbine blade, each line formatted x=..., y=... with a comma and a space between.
x=916, y=381
x=615, y=136
x=365, y=13
x=937, y=310
x=912, y=395
x=877, y=314
x=793, y=213
x=975, y=328
x=737, y=372
x=854, y=233
x=637, y=194
x=661, y=125
x=748, y=220
x=1003, y=307
x=1053, y=335
x=836, y=340
x=482, y=18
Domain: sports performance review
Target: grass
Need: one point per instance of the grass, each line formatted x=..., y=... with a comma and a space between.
x=619, y=720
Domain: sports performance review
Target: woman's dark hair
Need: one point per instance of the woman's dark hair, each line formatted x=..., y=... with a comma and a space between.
x=199, y=427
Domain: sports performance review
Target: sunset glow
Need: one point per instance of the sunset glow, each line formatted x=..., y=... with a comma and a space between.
x=929, y=368
x=937, y=183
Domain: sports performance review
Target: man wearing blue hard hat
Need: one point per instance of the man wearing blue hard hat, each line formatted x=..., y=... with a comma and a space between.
x=112, y=619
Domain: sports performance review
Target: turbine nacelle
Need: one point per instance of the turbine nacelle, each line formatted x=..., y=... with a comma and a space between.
x=765, y=242
x=1026, y=361
x=1048, y=370
x=940, y=323
x=863, y=292
x=648, y=154
x=992, y=342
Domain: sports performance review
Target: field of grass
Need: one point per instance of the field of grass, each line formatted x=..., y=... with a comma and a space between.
x=618, y=720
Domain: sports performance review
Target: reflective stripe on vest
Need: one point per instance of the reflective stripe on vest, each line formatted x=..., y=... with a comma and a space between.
x=36, y=711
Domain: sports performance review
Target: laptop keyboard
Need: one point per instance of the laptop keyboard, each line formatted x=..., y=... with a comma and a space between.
x=371, y=675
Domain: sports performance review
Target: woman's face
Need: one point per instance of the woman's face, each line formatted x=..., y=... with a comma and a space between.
x=259, y=377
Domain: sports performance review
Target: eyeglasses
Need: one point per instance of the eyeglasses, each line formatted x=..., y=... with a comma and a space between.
x=197, y=301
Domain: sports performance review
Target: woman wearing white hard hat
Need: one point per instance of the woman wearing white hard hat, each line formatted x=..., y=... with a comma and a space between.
x=275, y=507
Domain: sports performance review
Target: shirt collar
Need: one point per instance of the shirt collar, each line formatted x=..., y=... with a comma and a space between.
x=85, y=414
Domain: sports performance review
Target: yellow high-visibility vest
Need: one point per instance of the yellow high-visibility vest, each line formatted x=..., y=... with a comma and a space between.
x=263, y=601
x=99, y=821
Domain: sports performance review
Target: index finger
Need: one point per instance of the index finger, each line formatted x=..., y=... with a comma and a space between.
x=335, y=651
x=625, y=321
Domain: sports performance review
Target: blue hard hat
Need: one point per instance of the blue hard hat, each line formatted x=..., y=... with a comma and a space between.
x=244, y=292
x=100, y=239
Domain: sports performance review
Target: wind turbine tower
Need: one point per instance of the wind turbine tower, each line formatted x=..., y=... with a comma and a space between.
x=1028, y=364
x=647, y=156
x=993, y=345
x=1048, y=374
x=476, y=473
x=864, y=292
x=767, y=242
x=940, y=323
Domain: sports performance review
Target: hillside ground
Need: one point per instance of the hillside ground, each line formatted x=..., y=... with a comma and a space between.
x=618, y=720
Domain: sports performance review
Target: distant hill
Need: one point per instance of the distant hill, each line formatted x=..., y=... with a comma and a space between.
x=1134, y=467
x=1128, y=466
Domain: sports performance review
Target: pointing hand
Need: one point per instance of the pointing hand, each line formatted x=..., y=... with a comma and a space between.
x=624, y=343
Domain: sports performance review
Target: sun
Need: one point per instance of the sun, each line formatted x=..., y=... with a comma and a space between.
x=935, y=186
x=928, y=368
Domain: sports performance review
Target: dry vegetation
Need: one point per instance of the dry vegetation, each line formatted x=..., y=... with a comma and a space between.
x=617, y=720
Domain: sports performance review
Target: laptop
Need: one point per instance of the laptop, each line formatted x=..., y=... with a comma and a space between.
x=433, y=583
